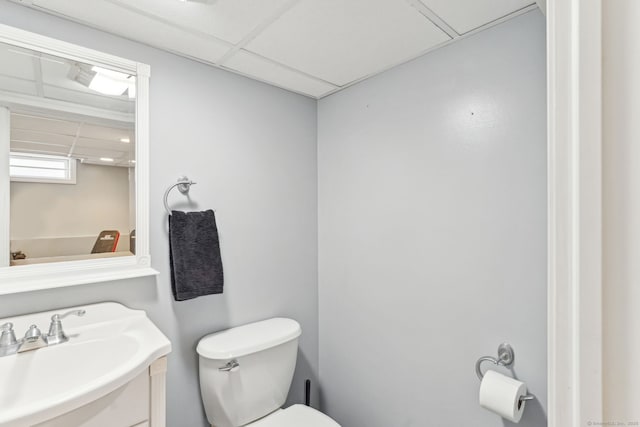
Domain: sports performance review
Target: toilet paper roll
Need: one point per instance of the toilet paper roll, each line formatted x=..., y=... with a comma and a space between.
x=501, y=394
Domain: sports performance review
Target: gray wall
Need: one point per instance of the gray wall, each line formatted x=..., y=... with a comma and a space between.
x=252, y=149
x=432, y=232
x=432, y=222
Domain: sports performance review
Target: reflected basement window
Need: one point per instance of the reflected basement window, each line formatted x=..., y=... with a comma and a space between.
x=27, y=167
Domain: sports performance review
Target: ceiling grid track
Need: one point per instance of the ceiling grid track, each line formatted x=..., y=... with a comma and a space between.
x=434, y=18
x=257, y=31
x=175, y=25
x=284, y=66
x=37, y=70
x=511, y=15
x=75, y=139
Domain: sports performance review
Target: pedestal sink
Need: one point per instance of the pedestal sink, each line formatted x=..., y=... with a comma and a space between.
x=108, y=347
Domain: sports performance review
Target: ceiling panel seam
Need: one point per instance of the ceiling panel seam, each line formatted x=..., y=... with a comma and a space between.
x=258, y=30
x=434, y=18
x=162, y=20
x=285, y=66
x=37, y=70
x=528, y=8
x=75, y=139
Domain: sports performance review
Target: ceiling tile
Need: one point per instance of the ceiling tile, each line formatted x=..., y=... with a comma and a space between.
x=229, y=20
x=466, y=15
x=309, y=46
x=263, y=69
x=115, y=19
x=341, y=41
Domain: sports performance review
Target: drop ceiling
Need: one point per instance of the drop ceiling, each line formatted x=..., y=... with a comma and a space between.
x=79, y=139
x=312, y=47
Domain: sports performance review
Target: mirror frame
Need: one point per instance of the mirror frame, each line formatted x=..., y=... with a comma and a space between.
x=24, y=278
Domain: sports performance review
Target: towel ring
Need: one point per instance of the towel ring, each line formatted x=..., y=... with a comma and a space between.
x=506, y=356
x=183, y=184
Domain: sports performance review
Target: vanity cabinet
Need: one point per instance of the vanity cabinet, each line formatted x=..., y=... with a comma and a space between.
x=139, y=403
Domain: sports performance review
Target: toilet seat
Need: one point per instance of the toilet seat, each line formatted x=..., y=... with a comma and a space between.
x=295, y=416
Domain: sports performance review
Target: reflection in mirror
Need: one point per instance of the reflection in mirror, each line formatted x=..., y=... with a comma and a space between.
x=72, y=158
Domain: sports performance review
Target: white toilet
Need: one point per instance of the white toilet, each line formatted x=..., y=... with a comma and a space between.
x=245, y=375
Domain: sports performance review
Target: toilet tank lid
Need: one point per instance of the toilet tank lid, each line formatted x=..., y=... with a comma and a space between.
x=248, y=339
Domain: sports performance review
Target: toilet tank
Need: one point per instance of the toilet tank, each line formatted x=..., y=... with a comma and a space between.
x=265, y=353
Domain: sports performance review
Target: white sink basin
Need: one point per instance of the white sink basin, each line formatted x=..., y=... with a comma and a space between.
x=107, y=348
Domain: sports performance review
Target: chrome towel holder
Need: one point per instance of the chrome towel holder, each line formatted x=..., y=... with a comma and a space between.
x=506, y=356
x=184, y=185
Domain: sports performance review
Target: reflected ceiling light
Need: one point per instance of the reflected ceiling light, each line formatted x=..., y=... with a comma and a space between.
x=109, y=82
x=126, y=140
x=106, y=159
x=102, y=80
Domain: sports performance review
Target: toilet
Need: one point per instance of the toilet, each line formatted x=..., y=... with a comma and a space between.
x=246, y=373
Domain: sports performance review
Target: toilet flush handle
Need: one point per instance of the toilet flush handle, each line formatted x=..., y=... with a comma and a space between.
x=231, y=366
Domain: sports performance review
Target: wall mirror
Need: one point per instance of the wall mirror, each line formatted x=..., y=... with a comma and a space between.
x=73, y=164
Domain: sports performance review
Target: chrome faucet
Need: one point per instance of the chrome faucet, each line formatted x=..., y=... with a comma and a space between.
x=33, y=338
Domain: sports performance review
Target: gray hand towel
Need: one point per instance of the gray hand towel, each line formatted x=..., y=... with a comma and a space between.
x=194, y=251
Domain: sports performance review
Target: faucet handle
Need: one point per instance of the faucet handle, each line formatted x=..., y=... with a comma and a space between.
x=58, y=317
x=8, y=337
x=56, y=334
x=33, y=333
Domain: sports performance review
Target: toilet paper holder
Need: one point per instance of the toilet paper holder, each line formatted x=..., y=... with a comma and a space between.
x=506, y=356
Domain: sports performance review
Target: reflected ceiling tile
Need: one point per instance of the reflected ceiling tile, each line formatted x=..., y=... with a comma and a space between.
x=41, y=138
x=16, y=62
x=97, y=152
x=260, y=68
x=43, y=124
x=342, y=41
x=93, y=100
x=98, y=143
x=116, y=19
x=466, y=15
x=12, y=84
x=20, y=146
x=105, y=133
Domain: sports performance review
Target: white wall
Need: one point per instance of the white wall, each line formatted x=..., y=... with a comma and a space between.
x=432, y=232
x=621, y=201
x=98, y=201
x=252, y=149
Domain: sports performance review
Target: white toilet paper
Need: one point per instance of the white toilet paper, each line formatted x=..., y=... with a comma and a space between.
x=501, y=394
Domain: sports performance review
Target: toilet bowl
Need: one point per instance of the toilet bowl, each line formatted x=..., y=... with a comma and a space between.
x=246, y=373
